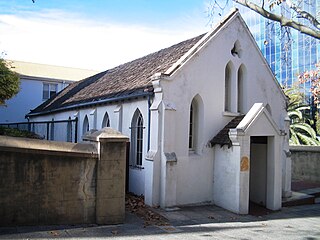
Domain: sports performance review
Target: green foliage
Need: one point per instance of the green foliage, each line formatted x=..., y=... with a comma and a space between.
x=13, y=132
x=318, y=124
x=9, y=82
x=301, y=133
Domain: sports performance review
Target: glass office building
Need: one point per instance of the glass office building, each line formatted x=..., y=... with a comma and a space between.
x=287, y=51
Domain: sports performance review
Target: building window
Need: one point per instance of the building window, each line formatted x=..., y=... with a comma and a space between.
x=85, y=127
x=106, y=120
x=49, y=89
x=69, y=130
x=241, y=89
x=227, y=88
x=236, y=50
x=137, y=138
x=191, y=127
x=195, y=124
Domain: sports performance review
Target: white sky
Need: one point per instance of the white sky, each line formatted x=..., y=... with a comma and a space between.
x=68, y=39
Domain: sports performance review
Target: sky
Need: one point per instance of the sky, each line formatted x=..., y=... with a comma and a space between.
x=96, y=34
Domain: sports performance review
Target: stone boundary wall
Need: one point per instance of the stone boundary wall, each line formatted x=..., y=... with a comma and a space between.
x=305, y=163
x=46, y=182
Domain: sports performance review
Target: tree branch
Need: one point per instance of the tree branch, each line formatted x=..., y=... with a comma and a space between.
x=281, y=19
x=303, y=14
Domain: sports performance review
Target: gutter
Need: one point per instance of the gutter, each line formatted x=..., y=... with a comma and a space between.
x=46, y=79
x=89, y=104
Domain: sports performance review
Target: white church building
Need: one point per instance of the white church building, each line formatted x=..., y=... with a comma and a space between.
x=206, y=118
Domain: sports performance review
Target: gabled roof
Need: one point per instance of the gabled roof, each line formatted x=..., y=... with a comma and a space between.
x=242, y=124
x=128, y=80
x=28, y=69
x=222, y=138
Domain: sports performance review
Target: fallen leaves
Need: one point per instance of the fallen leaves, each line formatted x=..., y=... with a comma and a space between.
x=54, y=233
x=114, y=232
x=135, y=204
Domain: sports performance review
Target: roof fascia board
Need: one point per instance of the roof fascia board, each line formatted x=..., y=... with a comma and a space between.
x=202, y=42
x=43, y=79
x=251, y=117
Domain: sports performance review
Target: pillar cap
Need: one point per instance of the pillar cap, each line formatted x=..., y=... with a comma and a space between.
x=105, y=134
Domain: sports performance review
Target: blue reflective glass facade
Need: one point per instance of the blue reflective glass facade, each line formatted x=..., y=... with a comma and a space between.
x=286, y=57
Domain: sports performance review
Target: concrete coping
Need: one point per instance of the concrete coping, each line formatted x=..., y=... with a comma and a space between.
x=106, y=134
x=304, y=148
x=54, y=146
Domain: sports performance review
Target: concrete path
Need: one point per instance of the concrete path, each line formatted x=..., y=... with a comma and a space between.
x=201, y=222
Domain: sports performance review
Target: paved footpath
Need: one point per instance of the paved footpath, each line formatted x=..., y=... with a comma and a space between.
x=201, y=222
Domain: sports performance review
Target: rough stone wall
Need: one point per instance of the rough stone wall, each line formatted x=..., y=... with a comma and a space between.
x=47, y=182
x=111, y=183
x=305, y=163
x=40, y=187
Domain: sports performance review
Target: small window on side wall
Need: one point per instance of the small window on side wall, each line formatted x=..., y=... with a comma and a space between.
x=191, y=127
x=85, y=127
x=137, y=138
x=195, y=124
x=106, y=120
x=227, y=88
x=49, y=89
x=241, y=89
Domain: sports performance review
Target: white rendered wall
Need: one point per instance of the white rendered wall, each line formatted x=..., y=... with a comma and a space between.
x=226, y=188
x=204, y=75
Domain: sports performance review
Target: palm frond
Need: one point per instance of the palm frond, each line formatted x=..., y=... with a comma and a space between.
x=294, y=140
x=304, y=128
x=308, y=140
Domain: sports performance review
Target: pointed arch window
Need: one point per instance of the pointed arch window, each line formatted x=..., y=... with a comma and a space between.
x=241, y=89
x=85, y=126
x=106, y=120
x=191, y=127
x=195, y=124
x=137, y=138
x=227, y=88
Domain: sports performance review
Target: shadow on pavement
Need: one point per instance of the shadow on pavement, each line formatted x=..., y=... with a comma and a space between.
x=206, y=220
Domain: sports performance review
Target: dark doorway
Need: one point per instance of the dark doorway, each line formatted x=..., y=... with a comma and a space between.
x=258, y=170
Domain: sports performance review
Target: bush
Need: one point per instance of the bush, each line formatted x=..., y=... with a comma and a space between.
x=13, y=132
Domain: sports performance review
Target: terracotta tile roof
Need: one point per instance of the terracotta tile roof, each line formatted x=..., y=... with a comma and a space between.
x=126, y=79
x=222, y=138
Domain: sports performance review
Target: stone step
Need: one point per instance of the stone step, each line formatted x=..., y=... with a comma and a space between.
x=298, y=198
x=312, y=191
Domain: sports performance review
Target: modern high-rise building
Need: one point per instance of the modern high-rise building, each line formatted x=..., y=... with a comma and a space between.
x=287, y=51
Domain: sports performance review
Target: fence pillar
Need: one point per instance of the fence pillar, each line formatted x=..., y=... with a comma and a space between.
x=111, y=173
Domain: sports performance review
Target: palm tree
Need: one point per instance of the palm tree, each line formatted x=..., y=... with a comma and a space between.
x=301, y=132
